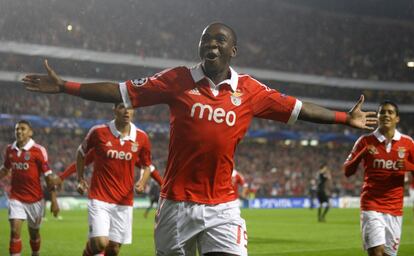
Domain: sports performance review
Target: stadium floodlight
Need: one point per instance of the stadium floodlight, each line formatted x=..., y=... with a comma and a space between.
x=314, y=143
x=304, y=142
x=69, y=27
x=410, y=64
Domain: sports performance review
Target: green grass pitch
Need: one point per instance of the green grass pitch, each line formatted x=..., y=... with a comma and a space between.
x=271, y=232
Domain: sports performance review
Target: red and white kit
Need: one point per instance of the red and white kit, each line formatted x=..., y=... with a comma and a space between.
x=207, y=121
x=27, y=166
x=114, y=161
x=26, y=195
x=382, y=193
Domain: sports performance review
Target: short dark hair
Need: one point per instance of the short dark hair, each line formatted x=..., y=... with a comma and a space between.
x=23, y=121
x=232, y=32
x=389, y=102
x=116, y=104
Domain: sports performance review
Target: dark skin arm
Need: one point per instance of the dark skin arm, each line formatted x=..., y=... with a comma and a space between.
x=52, y=83
x=355, y=117
x=109, y=92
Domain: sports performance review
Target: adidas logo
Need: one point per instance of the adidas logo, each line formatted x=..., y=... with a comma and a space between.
x=195, y=91
x=108, y=144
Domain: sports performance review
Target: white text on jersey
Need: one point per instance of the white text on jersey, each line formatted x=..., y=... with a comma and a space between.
x=218, y=115
x=385, y=164
x=20, y=166
x=121, y=155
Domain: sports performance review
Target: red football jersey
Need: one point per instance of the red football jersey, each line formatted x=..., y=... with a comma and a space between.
x=383, y=188
x=238, y=181
x=114, y=160
x=27, y=165
x=207, y=121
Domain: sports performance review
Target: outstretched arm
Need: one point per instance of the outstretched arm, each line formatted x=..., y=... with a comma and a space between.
x=52, y=83
x=355, y=117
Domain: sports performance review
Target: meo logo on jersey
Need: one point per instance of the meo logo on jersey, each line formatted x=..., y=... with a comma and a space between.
x=120, y=155
x=217, y=115
x=20, y=166
x=385, y=164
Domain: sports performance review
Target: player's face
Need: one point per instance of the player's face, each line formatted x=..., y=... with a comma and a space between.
x=123, y=114
x=216, y=48
x=387, y=116
x=23, y=132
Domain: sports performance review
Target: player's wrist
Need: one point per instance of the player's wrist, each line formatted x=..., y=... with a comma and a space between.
x=341, y=117
x=72, y=88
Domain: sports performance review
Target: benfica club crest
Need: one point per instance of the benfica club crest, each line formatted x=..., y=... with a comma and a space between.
x=27, y=156
x=236, y=98
x=401, y=152
x=134, y=147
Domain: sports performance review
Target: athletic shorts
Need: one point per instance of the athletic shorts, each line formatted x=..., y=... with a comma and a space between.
x=110, y=220
x=182, y=228
x=32, y=212
x=323, y=198
x=381, y=229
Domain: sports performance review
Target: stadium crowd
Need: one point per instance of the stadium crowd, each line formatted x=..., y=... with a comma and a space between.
x=342, y=45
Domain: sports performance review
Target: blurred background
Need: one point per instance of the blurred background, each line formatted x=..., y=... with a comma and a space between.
x=326, y=52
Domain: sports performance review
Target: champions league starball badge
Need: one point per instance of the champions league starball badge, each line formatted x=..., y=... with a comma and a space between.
x=401, y=152
x=134, y=147
x=139, y=82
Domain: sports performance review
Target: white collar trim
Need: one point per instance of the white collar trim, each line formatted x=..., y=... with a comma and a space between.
x=197, y=74
x=381, y=138
x=26, y=147
x=132, y=133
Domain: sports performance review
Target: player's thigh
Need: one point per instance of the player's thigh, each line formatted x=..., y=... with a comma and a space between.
x=175, y=228
x=34, y=213
x=392, y=233
x=99, y=218
x=120, y=230
x=373, y=229
x=226, y=231
x=17, y=210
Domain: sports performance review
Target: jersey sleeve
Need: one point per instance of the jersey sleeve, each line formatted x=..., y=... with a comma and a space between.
x=89, y=142
x=7, y=162
x=42, y=161
x=155, y=174
x=240, y=180
x=355, y=157
x=71, y=169
x=145, y=152
x=152, y=90
x=268, y=103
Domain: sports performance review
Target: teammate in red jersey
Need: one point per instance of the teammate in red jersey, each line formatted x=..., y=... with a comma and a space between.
x=211, y=108
x=386, y=155
x=26, y=161
x=117, y=146
x=239, y=182
x=89, y=158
